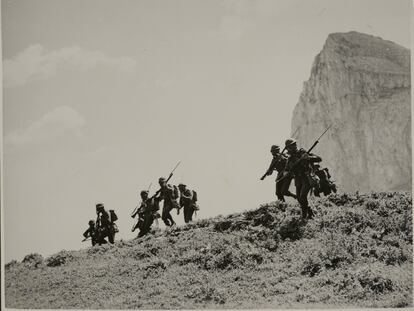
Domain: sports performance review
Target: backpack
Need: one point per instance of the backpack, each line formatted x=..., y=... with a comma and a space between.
x=195, y=198
x=114, y=217
x=176, y=193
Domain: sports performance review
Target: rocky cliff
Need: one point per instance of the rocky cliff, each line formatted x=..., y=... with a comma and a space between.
x=359, y=84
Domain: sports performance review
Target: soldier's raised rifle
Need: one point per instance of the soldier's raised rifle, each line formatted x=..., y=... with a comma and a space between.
x=307, y=152
x=169, y=177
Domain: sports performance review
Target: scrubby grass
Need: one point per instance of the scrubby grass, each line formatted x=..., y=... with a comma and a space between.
x=357, y=252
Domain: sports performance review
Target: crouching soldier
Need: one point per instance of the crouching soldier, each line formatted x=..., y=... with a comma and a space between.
x=90, y=232
x=188, y=201
x=326, y=185
x=148, y=213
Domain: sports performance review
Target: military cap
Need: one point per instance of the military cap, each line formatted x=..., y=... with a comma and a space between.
x=144, y=192
x=99, y=205
x=91, y=222
x=275, y=147
x=161, y=179
x=181, y=186
x=290, y=142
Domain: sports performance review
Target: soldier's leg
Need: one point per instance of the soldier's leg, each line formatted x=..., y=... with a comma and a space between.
x=164, y=216
x=279, y=188
x=286, y=186
x=185, y=214
x=303, y=198
x=168, y=217
x=299, y=186
x=191, y=212
x=111, y=235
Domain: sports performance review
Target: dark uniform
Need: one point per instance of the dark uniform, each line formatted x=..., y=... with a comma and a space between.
x=278, y=164
x=147, y=212
x=299, y=165
x=167, y=194
x=188, y=202
x=104, y=224
x=91, y=232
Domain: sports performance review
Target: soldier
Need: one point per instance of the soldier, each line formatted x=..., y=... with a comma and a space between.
x=147, y=213
x=188, y=199
x=169, y=194
x=299, y=165
x=278, y=163
x=326, y=185
x=140, y=212
x=104, y=224
x=90, y=232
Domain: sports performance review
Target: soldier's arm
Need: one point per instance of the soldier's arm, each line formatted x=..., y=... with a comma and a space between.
x=271, y=166
x=86, y=233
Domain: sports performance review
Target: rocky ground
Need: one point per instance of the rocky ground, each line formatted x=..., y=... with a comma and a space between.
x=357, y=252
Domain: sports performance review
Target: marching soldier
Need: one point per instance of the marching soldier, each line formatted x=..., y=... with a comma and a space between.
x=188, y=199
x=169, y=194
x=90, y=232
x=298, y=165
x=278, y=164
x=105, y=224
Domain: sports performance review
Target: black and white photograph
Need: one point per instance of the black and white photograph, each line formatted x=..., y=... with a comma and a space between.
x=206, y=154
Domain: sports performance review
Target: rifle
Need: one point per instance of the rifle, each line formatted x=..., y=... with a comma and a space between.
x=169, y=177
x=265, y=174
x=310, y=149
x=85, y=239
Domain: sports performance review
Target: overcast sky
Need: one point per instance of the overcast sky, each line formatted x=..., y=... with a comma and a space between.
x=103, y=97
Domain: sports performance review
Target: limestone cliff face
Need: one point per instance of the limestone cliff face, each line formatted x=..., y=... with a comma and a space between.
x=361, y=85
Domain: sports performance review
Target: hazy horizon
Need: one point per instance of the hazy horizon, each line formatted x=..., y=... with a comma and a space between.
x=100, y=98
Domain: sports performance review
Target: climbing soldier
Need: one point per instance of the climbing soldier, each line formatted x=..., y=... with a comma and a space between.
x=325, y=185
x=90, y=232
x=298, y=165
x=169, y=194
x=147, y=213
x=105, y=225
x=278, y=163
x=188, y=199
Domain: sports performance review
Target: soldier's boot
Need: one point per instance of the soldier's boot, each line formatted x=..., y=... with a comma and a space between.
x=290, y=194
x=281, y=198
x=310, y=213
x=304, y=212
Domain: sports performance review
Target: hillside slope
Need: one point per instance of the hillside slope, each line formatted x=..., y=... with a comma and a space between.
x=361, y=85
x=356, y=252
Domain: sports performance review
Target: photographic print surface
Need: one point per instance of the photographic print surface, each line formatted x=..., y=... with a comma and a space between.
x=207, y=154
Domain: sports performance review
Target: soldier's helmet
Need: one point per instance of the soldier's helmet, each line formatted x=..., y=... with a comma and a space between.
x=290, y=142
x=91, y=222
x=274, y=148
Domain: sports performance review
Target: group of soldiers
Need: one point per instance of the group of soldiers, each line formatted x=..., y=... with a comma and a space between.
x=104, y=226
x=174, y=198
x=303, y=167
x=296, y=164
